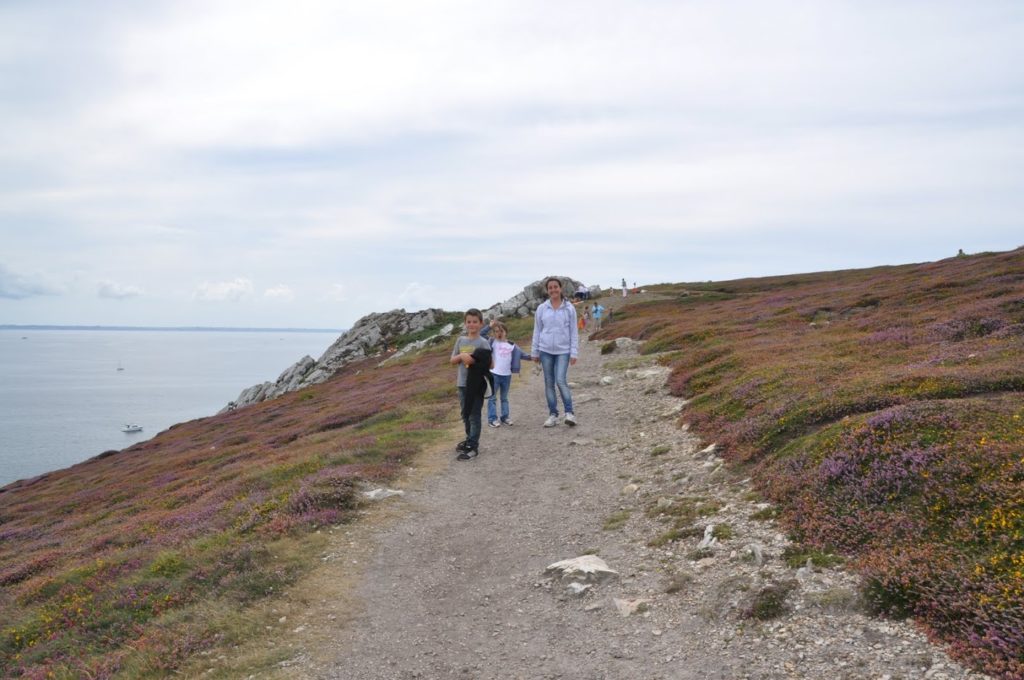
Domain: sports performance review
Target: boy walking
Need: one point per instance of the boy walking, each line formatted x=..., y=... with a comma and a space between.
x=471, y=353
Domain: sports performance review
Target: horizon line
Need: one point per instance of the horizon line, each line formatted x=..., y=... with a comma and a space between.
x=97, y=327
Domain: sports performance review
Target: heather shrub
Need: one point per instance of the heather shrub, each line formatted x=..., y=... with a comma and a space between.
x=888, y=432
x=114, y=566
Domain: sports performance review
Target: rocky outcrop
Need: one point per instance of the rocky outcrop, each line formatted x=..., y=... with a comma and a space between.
x=420, y=344
x=375, y=333
x=370, y=336
x=291, y=379
x=527, y=301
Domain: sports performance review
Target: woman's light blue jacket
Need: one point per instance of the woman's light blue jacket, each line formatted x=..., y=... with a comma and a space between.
x=554, y=330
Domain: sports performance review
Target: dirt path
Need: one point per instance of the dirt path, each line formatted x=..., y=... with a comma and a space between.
x=452, y=583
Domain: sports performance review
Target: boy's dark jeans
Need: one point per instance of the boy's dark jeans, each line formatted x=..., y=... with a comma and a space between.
x=472, y=422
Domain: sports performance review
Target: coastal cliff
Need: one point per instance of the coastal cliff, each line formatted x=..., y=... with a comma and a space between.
x=861, y=435
x=378, y=333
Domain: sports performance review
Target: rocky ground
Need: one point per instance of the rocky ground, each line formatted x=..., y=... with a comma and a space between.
x=451, y=580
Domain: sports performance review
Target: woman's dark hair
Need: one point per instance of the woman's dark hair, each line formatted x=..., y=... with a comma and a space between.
x=550, y=279
x=474, y=312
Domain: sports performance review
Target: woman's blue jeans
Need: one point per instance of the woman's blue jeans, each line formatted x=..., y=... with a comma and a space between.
x=556, y=369
x=501, y=384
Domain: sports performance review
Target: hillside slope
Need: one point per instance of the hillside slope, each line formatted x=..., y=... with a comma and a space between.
x=134, y=561
x=882, y=410
x=879, y=408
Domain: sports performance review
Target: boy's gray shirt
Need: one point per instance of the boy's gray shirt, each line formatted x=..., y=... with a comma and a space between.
x=466, y=345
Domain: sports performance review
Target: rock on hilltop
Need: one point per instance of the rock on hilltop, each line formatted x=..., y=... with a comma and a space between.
x=375, y=333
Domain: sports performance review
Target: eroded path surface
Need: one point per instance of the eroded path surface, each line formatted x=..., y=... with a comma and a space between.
x=454, y=584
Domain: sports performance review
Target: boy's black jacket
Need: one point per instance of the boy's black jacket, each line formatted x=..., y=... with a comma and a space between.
x=478, y=377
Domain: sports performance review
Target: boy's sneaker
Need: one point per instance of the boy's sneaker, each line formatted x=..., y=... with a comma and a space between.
x=551, y=421
x=506, y=421
x=468, y=454
x=494, y=423
x=570, y=419
x=462, y=446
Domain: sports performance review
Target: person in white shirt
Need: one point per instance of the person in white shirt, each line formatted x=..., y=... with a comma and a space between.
x=501, y=371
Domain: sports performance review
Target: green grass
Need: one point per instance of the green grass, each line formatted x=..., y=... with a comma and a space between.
x=616, y=520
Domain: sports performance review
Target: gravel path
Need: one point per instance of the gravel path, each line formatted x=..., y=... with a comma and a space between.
x=453, y=583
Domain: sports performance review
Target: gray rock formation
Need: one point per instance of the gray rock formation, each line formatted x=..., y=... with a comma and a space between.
x=420, y=344
x=531, y=297
x=368, y=337
x=374, y=333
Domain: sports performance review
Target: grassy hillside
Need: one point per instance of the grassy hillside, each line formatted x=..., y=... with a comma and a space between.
x=882, y=410
x=136, y=561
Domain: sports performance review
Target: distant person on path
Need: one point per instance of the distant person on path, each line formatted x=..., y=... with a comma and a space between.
x=623, y=287
x=502, y=369
x=469, y=350
x=556, y=345
x=598, y=314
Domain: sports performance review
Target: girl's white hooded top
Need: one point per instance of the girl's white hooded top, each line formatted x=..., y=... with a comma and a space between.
x=555, y=330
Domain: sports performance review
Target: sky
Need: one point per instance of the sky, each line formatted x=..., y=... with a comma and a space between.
x=304, y=163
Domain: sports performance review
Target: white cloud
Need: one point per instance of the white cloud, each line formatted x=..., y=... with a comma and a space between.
x=418, y=296
x=117, y=291
x=233, y=290
x=16, y=286
x=190, y=140
x=280, y=292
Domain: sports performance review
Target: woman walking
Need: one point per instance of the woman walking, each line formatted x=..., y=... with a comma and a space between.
x=556, y=344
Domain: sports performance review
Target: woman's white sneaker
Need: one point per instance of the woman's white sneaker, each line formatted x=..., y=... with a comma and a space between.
x=551, y=421
x=570, y=419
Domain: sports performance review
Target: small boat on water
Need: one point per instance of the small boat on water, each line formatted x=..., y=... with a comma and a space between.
x=131, y=427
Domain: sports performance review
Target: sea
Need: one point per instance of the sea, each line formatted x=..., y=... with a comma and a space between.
x=65, y=394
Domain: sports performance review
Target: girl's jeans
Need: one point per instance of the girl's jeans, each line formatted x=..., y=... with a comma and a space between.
x=556, y=367
x=501, y=383
x=471, y=422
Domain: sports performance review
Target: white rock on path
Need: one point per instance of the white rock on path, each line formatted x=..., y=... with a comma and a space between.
x=586, y=568
x=380, y=494
x=709, y=451
x=709, y=539
x=577, y=589
x=644, y=373
x=627, y=343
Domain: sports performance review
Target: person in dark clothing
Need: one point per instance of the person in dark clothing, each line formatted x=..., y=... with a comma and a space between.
x=469, y=405
x=478, y=380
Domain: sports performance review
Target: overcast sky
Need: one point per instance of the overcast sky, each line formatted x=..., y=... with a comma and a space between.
x=303, y=163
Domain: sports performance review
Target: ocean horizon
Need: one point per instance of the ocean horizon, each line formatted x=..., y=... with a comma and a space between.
x=66, y=391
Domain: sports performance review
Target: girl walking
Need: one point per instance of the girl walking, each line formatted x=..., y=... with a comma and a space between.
x=556, y=345
x=501, y=372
